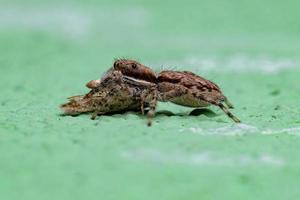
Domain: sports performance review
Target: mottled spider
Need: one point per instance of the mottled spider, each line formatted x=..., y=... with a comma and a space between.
x=182, y=88
x=129, y=85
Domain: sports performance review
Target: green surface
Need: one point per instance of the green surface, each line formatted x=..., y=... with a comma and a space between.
x=50, y=50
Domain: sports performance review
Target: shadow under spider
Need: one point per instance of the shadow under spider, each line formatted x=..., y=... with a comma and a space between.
x=195, y=112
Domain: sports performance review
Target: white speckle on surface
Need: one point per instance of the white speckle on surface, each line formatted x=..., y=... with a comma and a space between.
x=202, y=158
x=289, y=131
x=240, y=130
x=231, y=130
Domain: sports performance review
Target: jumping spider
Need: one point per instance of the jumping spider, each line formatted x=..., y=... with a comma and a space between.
x=129, y=85
x=182, y=88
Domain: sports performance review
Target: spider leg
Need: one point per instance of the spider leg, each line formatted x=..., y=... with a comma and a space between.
x=94, y=115
x=149, y=96
x=215, y=100
x=228, y=113
x=142, y=106
x=152, y=107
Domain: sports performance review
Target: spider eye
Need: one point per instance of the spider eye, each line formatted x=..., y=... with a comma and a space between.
x=134, y=66
x=115, y=64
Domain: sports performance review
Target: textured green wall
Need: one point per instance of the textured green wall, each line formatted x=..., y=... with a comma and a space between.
x=50, y=49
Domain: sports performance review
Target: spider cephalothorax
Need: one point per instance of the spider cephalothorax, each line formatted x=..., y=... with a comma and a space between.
x=135, y=69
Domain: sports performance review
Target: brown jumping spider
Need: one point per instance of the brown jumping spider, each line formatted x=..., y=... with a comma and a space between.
x=182, y=88
x=129, y=85
x=112, y=94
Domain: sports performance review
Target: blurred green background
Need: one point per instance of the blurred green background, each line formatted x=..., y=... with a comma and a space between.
x=50, y=49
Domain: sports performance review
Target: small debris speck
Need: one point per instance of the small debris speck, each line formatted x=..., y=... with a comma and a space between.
x=275, y=92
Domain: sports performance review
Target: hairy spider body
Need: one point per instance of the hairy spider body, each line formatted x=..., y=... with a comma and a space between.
x=185, y=89
x=129, y=85
x=188, y=89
